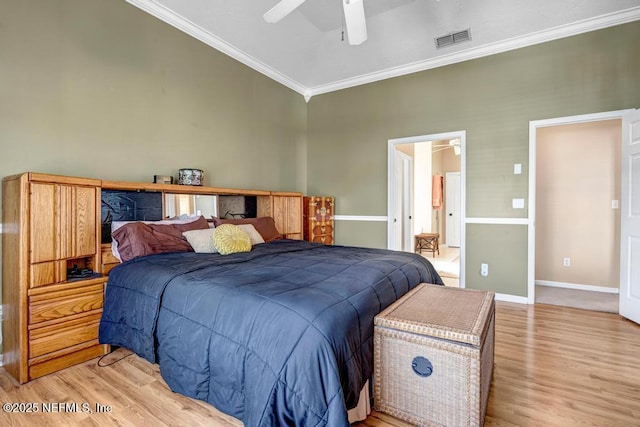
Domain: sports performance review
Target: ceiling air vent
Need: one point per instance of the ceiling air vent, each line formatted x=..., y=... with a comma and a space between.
x=453, y=38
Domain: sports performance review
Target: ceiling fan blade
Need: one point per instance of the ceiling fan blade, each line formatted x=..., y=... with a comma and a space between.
x=282, y=9
x=355, y=21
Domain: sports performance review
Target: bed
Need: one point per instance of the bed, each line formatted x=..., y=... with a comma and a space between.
x=279, y=335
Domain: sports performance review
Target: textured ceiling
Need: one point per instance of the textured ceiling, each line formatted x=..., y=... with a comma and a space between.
x=306, y=51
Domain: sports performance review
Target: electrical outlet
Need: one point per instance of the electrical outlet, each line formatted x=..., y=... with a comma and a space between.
x=566, y=262
x=484, y=270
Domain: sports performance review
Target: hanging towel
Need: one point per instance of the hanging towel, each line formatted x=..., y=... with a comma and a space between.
x=436, y=192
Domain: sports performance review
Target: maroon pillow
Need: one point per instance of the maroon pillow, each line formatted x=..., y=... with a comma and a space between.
x=265, y=225
x=138, y=239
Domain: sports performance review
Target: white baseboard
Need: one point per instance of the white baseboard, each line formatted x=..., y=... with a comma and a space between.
x=511, y=298
x=578, y=286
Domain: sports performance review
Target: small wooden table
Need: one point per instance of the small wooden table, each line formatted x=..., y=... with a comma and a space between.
x=427, y=241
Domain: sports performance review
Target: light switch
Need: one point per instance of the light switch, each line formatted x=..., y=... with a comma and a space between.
x=517, y=168
x=614, y=204
x=518, y=203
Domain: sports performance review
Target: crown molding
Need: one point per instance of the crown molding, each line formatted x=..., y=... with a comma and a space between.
x=592, y=24
x=579, y=27
x=168, y=16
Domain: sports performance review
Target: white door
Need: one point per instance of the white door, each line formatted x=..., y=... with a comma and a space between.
x=630, y=218
x=396, y=221
x=407, y=204
x=402, y=204
x=452, y=206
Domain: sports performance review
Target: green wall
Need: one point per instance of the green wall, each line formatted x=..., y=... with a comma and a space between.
x=497, y=245
x=493, y=99
x=361, y=233
x=100, y=89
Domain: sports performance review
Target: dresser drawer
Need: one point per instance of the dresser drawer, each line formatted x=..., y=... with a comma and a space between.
x=56, y=305
x=56, y=337
x=107, y=255
x=53, y=362
x=108, y=259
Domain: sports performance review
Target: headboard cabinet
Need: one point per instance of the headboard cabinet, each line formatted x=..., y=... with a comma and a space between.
x=284, y=207
x=51, y=227
x=53, y=230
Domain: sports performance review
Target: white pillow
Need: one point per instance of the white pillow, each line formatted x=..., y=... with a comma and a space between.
x=201, y=240
x=117, y=224
x=256, y=238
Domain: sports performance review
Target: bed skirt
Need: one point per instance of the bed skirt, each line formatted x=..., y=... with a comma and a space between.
x=362, y=411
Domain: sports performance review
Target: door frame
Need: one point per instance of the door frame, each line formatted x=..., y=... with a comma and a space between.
x=391, y=143
x=533, y=135
x=446, y=197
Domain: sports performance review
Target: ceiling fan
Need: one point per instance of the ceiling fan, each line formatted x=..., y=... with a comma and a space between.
x=353, y=17
x=443, y=145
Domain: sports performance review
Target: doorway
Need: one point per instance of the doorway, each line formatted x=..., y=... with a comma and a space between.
x=629, y=122
x=432, y=157
x=577, y=215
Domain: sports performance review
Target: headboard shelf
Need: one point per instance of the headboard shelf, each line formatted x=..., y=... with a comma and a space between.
x=180, y=189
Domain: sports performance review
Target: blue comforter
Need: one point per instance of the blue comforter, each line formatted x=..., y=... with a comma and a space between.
x=281, y=335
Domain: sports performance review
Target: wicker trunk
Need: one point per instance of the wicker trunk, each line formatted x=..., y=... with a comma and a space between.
x=433, y=356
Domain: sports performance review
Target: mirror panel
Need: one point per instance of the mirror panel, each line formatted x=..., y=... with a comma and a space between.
x=190, y=204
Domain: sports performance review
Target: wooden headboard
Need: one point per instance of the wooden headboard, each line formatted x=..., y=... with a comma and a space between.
x=135, y=201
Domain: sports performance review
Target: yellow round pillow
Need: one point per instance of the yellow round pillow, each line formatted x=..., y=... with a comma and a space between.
x=229, y=239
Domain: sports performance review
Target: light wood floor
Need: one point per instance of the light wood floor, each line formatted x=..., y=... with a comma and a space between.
x=554, y=366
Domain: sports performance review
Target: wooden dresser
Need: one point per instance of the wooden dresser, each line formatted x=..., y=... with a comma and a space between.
x=50, y=225
x=318, y=219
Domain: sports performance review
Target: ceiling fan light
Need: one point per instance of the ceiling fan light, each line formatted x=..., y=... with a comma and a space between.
x=281, y=9
x=355, y=22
